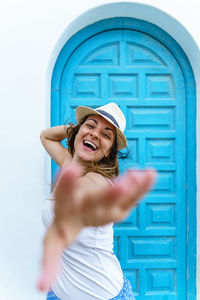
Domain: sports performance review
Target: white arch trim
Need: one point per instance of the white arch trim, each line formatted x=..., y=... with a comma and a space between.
x=168, y=24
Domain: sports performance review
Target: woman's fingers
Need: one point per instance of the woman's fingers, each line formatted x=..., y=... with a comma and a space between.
x=136, y=184
x=66, y=181
x=111, y=194
x=126, y=193
x=65, y=204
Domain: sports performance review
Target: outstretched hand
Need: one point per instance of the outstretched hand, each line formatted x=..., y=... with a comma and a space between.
x=74, y=209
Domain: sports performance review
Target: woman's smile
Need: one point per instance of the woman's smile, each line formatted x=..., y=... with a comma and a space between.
x=90, y=146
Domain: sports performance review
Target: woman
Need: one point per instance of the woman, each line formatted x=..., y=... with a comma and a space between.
x=87, y=200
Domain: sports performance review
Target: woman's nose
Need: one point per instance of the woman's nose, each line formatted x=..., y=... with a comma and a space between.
x=95, y=133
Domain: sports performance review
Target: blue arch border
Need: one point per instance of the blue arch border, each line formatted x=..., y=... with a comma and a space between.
x=156, y=32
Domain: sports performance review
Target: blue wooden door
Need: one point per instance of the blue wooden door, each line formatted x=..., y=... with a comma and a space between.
x=141, y=75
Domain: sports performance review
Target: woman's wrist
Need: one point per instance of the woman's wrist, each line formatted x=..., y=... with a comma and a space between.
x=66, y=129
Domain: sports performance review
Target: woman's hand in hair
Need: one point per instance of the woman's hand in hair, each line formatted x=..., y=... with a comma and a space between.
x=79, y=202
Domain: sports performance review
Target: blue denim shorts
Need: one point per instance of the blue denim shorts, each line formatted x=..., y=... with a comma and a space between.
x=126, y=293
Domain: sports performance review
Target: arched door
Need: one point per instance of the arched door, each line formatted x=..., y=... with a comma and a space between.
x=141, y=75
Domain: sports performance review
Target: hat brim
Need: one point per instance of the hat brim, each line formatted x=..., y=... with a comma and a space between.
x=83, y=111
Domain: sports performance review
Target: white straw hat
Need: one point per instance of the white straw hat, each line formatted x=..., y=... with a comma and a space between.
x=112, y=113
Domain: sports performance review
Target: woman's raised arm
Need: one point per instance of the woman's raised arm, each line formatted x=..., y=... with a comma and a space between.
x=51, y=139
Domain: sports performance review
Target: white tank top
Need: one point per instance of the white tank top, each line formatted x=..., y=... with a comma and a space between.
x=89, y=269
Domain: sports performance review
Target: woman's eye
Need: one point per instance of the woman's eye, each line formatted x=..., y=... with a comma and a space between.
x=90, y=126
x=106, y=136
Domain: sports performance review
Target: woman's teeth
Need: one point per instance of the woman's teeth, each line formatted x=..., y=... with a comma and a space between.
x=90, y=145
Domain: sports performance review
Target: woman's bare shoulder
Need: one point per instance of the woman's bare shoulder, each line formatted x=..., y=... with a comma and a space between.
x=98, y=178
x=67, y=158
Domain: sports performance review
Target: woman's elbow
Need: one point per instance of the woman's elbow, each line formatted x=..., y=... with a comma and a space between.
x=42, y=135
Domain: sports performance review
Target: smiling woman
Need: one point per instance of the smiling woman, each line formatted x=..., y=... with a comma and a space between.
x=87, y=202
x=102, y=137
x=94, y=139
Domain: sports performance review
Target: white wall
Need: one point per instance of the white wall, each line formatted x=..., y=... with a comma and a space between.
x=31, y=34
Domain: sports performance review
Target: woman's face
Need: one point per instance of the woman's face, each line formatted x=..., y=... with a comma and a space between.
x=94, y=139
